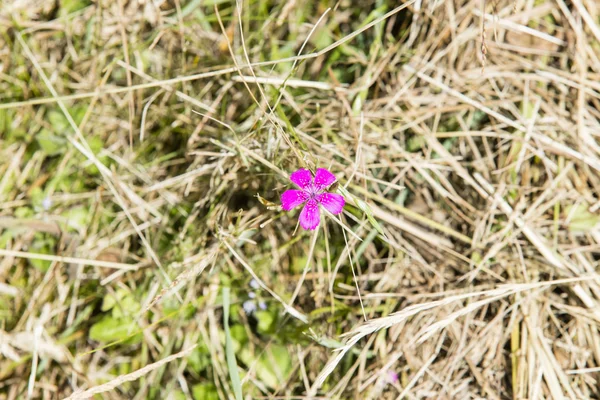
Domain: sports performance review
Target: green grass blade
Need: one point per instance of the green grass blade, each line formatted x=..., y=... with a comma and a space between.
x=363, y=207
x=229, y=353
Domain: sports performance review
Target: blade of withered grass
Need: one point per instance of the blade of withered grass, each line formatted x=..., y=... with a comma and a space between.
x=113, y=384
x=376, y=324
x=362, y=307
x=307, y=267
x=295, y=83
x=178, y=93
x=413, y=215
x=269, y=114
x=68, y=260
x=210, y=74
x=85, y=149
x=287, y=80
x=550, y=144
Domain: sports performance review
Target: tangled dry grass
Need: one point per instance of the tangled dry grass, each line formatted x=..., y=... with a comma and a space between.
x=143, y=148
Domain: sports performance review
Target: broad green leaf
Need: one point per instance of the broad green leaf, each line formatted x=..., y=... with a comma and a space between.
x=265, y=320
x=42, y=244
x=274, y=366
x=58, y=121
x=415, y=143
x=205, y=391
x=77, y=218
x=71, y=6
x=581, y=220
x=199, y=360
x=24, y=212
x=50, y=143
x=122, y=303
x=110, y=329
x=179, y=395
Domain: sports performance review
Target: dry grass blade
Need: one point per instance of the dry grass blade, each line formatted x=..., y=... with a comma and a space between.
x=378, y=324
x=68, y=260
x=463, y=137
x=86, y=394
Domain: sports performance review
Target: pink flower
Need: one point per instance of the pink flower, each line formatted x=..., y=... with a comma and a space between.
x=392, y=377
x=312, y=192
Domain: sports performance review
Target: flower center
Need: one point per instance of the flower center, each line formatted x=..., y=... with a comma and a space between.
x=312, y=191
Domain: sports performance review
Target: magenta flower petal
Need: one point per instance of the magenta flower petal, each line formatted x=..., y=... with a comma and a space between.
x=313, y=195
x=323, y=178
x=292, y=199
x=333, y=202
x=310, y=216
x=302, y=178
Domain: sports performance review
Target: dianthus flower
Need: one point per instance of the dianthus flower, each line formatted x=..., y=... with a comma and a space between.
x=313, y=193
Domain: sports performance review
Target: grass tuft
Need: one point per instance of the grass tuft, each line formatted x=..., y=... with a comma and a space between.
x=144, y=147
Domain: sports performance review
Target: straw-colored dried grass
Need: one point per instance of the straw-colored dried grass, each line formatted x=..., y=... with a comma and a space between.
x=469, y=130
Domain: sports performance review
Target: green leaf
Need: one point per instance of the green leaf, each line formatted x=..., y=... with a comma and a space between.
x=581, y=220
x=122, y=303
x=179, y=395
x=24, y=212
x=50, y=143
x=415, y=143
x=110, y=329
x=298, y=263
x=42, y=244
x=199, y=360
x=274, y=366
x=77, y=218
x=265, y=320
x=205, y=391
x=239, y=335
x=6, y=237
x=58, y=121
x=321, y=38
x=96, y=145
x=109, y=301
x=71, y=6
x=229, y=352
